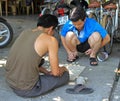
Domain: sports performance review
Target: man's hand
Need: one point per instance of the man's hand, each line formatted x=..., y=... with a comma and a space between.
x=72, y=55
x=88, y=52
x=62, y=70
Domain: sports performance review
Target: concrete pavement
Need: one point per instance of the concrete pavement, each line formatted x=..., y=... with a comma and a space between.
x=101, y=78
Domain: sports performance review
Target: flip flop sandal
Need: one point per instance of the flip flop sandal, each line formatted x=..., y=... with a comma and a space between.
x=72, y=60
x=93, y=61
x=79, y=89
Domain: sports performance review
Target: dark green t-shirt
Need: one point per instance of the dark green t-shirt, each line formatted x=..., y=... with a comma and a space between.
x=22, y=64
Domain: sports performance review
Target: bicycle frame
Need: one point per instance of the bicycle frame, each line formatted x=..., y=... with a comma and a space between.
x=117, y=14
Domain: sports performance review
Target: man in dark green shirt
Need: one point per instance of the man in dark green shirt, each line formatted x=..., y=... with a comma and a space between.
x=22, y=68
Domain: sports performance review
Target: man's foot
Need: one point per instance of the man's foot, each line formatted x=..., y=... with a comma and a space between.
x=93, y=61
x=72, y=60
x=117, y=71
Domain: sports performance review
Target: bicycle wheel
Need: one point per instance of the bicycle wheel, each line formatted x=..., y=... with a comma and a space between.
x=108, y=27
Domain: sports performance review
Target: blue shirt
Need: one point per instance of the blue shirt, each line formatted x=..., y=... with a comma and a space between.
x=90, y=26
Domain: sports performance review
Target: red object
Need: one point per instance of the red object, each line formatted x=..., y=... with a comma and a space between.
x=61, y=11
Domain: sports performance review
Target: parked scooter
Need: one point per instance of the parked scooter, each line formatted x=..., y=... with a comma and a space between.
x=6, y=33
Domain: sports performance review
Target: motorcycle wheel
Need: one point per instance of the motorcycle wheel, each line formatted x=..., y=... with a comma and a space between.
x=6, y=33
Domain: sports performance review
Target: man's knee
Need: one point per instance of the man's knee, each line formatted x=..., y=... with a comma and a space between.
x=69, y=36
x=95, y=38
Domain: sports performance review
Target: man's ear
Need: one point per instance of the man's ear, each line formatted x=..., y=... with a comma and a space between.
x=40, y=28
x=51, y=28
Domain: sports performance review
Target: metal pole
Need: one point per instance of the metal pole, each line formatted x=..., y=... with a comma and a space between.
x=116, y=16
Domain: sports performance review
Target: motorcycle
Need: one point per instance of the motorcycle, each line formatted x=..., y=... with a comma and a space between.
x=6, y=33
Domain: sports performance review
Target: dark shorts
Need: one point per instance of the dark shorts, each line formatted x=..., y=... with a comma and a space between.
x=83, y=47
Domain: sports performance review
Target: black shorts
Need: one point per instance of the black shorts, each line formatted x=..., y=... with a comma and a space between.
x=83, y=47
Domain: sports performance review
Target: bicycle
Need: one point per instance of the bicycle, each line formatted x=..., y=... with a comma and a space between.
x=108, y=21
x=106, y=16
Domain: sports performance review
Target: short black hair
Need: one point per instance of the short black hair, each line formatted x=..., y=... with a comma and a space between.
x=78, y=13
x=47, y=20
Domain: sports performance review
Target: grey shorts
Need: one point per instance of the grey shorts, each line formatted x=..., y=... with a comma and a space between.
x=45, y=84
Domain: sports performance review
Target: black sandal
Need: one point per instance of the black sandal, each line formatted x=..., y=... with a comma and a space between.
x=79, y=89
x=93, y=61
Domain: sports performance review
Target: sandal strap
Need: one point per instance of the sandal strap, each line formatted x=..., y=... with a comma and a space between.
x=79, y=87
